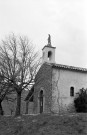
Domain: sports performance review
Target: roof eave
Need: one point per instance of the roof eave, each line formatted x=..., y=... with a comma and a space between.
x=69, y=67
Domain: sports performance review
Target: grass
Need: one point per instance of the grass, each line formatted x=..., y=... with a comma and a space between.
x=45, y=124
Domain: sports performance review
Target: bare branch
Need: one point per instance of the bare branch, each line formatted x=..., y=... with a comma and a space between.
x=19, y=62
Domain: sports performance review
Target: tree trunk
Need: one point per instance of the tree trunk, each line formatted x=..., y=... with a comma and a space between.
x=18, y=107
x=1, y=110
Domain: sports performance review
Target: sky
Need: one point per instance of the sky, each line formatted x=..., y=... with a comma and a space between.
x=64, y=20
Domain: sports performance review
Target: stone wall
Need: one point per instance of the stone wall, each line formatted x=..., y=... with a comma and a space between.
x=43, y=81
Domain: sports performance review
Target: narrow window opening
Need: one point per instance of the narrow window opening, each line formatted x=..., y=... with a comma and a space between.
x=41, y=93
x=71, y=91
x=41, y=101
x=49, y=55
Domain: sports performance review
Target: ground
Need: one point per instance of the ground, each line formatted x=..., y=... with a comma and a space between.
x=45, y=124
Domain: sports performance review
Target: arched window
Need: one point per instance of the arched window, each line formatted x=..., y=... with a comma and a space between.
x=49, y=55
x=71, y=91
x=41, y=101
x=41, y=93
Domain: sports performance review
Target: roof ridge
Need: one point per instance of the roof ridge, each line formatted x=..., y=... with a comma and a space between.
x=67, y=67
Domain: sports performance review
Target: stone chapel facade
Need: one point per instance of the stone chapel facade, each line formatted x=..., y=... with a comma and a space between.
x=55, y=85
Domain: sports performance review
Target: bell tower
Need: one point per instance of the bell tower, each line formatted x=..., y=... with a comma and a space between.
x=48, y=52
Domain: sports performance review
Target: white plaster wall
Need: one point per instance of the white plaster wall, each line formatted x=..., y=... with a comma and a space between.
x=62, y=80
x=45, y=56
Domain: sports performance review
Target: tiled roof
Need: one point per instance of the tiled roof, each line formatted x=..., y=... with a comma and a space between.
x=69, y=67
x=54, y=65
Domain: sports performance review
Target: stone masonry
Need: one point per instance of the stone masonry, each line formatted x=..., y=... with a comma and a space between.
x=43, y=81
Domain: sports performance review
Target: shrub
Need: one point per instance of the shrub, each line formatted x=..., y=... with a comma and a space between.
x=80, y=101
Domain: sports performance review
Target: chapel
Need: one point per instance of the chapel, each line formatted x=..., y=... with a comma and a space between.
x=55, y=86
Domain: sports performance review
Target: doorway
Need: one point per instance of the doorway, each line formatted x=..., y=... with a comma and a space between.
x=41, y=101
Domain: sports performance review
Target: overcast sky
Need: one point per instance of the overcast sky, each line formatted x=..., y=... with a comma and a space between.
x=64, y=20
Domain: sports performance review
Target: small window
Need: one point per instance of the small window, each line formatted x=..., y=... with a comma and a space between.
x=71, y=91
x=49, y=55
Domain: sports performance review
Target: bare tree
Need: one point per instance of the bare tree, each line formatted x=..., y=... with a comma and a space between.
x=4, y=91
x=19, y=64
